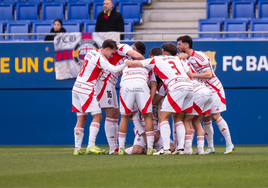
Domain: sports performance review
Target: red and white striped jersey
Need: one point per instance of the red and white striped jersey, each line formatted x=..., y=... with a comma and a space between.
x=117, y=59
x=137, y=73
x=200, y=63
x=94, y=63
x=170, y=70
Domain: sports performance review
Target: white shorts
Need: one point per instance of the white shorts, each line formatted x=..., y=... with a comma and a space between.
x=178, y=100
x=83, y=103
x=132, y=92
x=202, y=102
x=139, y=140
x=218, y=102
x=106, y=94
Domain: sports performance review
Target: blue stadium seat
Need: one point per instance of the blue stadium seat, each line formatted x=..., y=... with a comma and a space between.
x=209, y=25
x=6, y=11
x=131, y=10
x=2, y=28
x=217, y=9
x=52, y=10
x=128, y=28
x=89, y=26
x=27, y=10
x=71, y=26
x=42, y=26
x=263, y=9
x=78, y=11
x=10, y=1
x=243, y=9
x=235, y=25
x=259, y=25
x=55, y=1
x=18, y=27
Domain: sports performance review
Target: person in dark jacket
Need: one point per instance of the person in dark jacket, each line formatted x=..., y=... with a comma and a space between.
x=57, y=28
x=109, y=19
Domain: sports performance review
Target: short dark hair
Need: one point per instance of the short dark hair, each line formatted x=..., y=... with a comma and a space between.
x=170, y=47
x=140, y=46
x=58, y=20
x=109, y=43
x=186, y=39
x=155, y=51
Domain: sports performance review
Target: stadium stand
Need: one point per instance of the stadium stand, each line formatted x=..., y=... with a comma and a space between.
x=89, y=25
x=41, y=26
x=128, y=25
x=6, y=11
x=262, y=9
x=210, y=25
x=78, y=10
x=52, y=10
x=243, y=9
x=259, y=25
x=72, y=26
x=18, y=27
x=235, y=25
x=131, y=10
x=27, y=10
x=97, y=8
x=218, y=9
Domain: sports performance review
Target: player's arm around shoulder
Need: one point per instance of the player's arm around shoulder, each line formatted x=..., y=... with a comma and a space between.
x=133, y=63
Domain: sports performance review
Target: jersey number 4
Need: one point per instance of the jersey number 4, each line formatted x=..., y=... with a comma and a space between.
x=82, y=70
x=174, y=67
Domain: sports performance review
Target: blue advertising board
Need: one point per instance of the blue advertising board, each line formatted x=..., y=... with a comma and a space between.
x=36, y=108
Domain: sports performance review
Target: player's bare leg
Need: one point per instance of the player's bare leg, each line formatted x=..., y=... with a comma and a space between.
x=122, y=133
x=188, y=134
x=149, y=129
x=111, y=128
x=199, y=133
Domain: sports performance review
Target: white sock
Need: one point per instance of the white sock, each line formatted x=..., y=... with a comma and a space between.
x=180, y=129
x=188, y=142
x=224, y=130
x=78, y=137
x=122, y=140
x=116, y=127
x=209, y=132
x=93, y=132
x=200, y=143
x=150, y=139
x=192, y=133
x=129, y=150
x=165, y=134
x=110, y=132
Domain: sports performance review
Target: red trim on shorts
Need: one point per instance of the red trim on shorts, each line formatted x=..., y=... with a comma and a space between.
x=207, y=112
x=197, y=109
x=218, y=92
x=75, y=109
x=88, y=102
x=189, y=110
x=144, y=110
x=127, y=111
x=174, y=105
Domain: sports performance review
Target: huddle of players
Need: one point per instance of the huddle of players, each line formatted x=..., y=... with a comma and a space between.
x=187, y=89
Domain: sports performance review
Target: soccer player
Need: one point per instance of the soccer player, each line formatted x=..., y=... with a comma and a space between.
x=201, y=63
x=134, y=90
x=107, y=95
x=201, y=106
x=84, y=97
x=180, y=90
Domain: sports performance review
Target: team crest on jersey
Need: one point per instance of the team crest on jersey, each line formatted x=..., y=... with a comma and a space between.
x=211, y=56
x=81, y=49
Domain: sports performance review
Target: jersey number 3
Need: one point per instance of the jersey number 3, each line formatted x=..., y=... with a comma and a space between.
x=82, y=70
x=174, y=67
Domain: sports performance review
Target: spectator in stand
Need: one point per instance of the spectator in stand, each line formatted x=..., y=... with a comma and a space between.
x=57, y=28
x=109, y=19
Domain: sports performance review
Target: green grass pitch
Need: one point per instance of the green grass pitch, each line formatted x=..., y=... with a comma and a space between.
x=247, y=166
